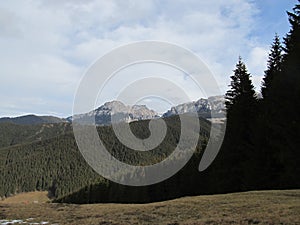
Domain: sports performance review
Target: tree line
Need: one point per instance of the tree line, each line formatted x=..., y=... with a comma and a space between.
x=262, y=142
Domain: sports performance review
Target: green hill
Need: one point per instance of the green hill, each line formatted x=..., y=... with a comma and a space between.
x=46, y=157
x=54, y=164
x=31, y=119
x=13, y=134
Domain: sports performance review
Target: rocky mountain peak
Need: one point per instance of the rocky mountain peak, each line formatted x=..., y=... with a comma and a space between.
x=204, y=107
x=118, y=111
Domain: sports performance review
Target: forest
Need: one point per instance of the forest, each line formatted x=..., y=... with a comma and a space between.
x=46, y=157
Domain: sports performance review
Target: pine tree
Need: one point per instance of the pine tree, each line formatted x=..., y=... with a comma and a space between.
x=291, y=58
x=274, y=66
x=242, y=94
x=281, y=142
x=291, y=40
x=238, y=147
x=285, y=92
x=268, y=164
x=286, y=95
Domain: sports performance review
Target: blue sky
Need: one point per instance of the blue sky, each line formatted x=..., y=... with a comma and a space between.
x=46, y=46
x=272, y=18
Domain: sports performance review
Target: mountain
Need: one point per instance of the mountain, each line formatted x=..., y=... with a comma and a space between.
x=31, y=119
x=204, y=107
x=45, y=157
x=13, y=134
x=114, y=112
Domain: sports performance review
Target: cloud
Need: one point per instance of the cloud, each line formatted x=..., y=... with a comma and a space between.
x=257, y=62
x=47, y=45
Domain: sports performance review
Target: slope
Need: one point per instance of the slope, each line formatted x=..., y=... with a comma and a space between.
x=31, y=119
x=12, y=134
x=256, y=207
x=56, y=165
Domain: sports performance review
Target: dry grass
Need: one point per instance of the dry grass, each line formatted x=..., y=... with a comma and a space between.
x=258, y=207
x=27, y=198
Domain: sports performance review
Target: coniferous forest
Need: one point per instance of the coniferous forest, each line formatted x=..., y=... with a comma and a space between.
x=260, y=149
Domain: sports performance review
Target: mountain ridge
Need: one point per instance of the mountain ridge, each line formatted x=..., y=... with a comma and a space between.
x=205, y=107
x=31, y=119
x=116, y=111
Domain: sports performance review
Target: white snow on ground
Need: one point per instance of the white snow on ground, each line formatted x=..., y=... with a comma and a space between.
x=27, y=221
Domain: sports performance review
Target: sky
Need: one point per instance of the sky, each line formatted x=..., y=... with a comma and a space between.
x=48, y=46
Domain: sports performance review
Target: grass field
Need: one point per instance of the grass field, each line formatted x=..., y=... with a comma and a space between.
x=257, y=207
x=27, y=198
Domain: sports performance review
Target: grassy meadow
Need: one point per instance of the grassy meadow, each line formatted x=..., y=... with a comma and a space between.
x=255, y=207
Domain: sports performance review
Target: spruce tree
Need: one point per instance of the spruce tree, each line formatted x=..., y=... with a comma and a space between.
x=268, y=164
x=241, y=96
x=279, y=123
x=237, y=148
x=283, y=107
x=274, y=66
x=268, y=161
x=291, y=40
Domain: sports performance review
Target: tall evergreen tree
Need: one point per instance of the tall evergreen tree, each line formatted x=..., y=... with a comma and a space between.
x=291, y=40
x=238, y=142
x=267, y=161
x=274, y=66
x=241, y=95
x=281, y=106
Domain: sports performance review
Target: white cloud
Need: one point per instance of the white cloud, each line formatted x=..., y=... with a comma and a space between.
x=47, y=45
x=258, y=60
x=257, y=63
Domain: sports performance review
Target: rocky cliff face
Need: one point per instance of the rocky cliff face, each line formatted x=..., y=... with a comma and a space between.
x=114, y=112
x=204, y=107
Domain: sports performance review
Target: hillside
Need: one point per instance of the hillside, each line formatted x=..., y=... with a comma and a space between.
x=51, y=164
x=256, y=207
x=46, y=157
x=31, y=119
x=13, y=134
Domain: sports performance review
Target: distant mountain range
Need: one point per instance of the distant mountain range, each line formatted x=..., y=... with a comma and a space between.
x=31, y=120
x=41, y=153
x=204, y=107
x=116, y=111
